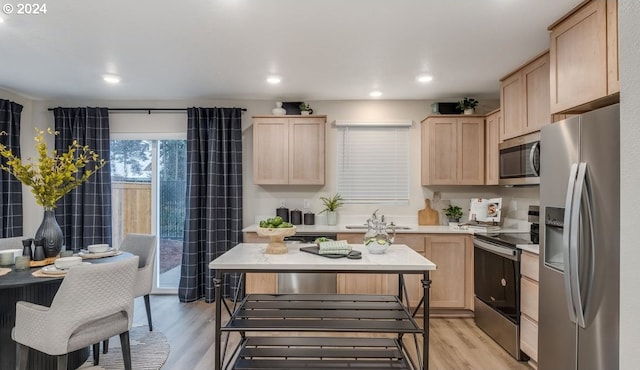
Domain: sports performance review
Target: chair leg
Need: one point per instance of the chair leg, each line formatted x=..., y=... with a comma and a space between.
x=126, y=350
x=62, y=362
x=147, y=305
x=22, y=355
x=96, y=354
x=105, y=346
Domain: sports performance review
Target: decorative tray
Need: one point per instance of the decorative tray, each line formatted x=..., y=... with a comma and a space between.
x=44, y=262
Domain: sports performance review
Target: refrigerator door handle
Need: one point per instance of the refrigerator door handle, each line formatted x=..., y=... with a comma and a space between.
x=583, y=252
x=566, y=243
x=532, y=154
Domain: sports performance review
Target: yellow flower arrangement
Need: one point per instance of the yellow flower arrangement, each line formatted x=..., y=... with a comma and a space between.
x=52, y=176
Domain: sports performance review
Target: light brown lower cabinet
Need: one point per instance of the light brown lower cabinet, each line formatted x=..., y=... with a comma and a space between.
x=384, y=283
x=266, y=283
x=452, y=281
x=529, y=305
x=363, y=283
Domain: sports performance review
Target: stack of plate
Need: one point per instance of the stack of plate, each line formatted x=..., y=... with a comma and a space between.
x=8, y=256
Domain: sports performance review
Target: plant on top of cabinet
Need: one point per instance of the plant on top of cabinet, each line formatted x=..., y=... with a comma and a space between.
x=468, y=105
x=305, y=109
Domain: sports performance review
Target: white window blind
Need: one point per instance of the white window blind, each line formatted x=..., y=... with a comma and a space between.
x=373, y=164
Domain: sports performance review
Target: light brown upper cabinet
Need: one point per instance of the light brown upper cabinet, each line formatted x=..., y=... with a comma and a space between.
x=492, y=140
x=584, y=57
x=289, y=150
x=453, y=150
x=524, y=98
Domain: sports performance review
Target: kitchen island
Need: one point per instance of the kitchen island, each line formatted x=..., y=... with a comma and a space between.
x=451, y=292
x=323, y=313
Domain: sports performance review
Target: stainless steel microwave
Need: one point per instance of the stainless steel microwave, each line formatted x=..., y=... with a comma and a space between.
x=519, y=160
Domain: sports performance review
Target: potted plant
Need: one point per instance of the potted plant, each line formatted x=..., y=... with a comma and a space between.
x=468, y=105
x=305, y=109
x=454, y=213
x=51, y=176
x=330, y=206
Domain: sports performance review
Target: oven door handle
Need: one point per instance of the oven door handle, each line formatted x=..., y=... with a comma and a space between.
x=509, y=253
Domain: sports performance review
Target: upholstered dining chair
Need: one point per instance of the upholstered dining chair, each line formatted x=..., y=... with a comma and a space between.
x=143, y=246
x=11, y=243
x=93, y=303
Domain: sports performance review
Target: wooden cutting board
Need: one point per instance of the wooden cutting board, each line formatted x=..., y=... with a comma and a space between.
x=428, y=215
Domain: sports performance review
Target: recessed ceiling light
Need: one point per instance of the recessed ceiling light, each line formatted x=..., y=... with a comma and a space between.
x=375, y=94
x=274, y=80
x=424, y=78
x=1, y=20
x=112, y=79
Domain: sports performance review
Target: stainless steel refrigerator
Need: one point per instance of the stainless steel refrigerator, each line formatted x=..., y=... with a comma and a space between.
x=580, y=242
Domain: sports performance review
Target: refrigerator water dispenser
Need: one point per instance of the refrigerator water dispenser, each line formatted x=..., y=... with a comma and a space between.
x=554, y=228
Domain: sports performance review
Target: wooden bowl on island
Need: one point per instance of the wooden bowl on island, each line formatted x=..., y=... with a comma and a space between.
x=276, y=238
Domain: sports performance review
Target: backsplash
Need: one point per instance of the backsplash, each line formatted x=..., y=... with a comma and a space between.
x=515, y=205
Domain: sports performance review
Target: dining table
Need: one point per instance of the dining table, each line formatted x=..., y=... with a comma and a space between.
x=22, y=285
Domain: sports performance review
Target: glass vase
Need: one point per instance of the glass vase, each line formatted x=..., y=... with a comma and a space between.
x=51, y=232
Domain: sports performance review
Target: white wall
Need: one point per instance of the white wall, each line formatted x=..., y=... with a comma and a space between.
x=629, y=31
x=263, y=200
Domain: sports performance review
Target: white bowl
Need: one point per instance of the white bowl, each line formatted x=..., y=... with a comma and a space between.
x=98, y=248
x=278, y=232
x=8, y=256
x=67, y=262
x=375, y=247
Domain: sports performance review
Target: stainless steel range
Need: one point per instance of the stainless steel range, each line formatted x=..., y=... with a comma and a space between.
x=497, y=287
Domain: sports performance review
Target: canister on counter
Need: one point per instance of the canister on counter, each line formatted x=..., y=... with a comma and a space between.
x=296, y=217
x=284, y=213
x=309, y=218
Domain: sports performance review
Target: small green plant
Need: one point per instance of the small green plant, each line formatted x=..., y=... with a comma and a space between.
x=304, y=106
x=52, y=174
x=453, y=212
x=333, y=203
x=467, y=103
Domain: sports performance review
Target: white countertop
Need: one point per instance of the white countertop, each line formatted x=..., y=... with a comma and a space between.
x=252, y=257
x=413, y=229
x=533, y=248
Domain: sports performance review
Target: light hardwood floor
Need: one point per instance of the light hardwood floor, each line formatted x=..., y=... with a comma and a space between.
x=455, y=343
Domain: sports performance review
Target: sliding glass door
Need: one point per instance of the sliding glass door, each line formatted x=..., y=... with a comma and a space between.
x=149, y=185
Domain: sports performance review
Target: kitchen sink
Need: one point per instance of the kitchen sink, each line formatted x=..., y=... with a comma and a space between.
x=364, y=227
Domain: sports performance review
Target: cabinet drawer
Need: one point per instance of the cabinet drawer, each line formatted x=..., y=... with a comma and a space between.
x=529, y=337
x=529, y=298
x=529, y=265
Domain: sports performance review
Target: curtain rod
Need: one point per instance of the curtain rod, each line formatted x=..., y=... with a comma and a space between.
x=149, y=110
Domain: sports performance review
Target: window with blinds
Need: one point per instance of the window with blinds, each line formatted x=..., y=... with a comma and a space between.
x=373, y=163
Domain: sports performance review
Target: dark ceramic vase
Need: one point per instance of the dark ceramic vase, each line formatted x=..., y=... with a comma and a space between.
x=51, y=232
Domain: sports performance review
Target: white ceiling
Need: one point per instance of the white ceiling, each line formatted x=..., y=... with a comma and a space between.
x=225, y=49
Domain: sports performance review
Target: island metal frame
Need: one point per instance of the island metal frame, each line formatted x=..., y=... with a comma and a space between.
x=321, y=313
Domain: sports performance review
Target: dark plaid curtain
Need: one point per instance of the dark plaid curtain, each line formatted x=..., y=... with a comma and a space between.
x=10, y=188
x=85, y=213
x=214, y=199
